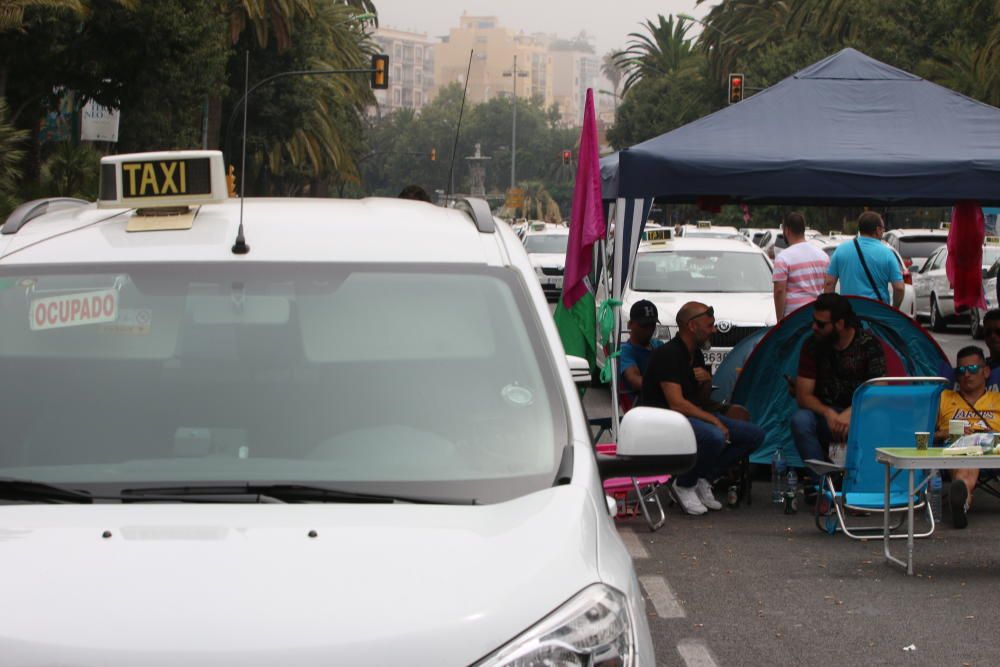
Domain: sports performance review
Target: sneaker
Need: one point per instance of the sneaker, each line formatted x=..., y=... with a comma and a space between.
x=687, y=498
x=705, y=495
x=958, y=501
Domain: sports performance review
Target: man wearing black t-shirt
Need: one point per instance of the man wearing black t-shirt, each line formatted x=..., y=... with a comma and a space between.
x=677, y=378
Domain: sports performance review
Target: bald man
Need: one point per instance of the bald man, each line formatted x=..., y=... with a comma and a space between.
x=678, y=378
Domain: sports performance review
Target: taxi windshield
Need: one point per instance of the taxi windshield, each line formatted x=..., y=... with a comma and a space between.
x=385, y=380
x=701, y=271
x=546, y=244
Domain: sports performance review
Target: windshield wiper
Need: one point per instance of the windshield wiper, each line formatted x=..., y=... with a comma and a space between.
x=12, y=488
x=288, y=493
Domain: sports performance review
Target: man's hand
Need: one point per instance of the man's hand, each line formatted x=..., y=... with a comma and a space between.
x=701, y=375
x=838, y=423
x=722, y=427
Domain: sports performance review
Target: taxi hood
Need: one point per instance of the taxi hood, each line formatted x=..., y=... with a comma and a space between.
x=740, y=308
x=245, y=584
x=548, y=260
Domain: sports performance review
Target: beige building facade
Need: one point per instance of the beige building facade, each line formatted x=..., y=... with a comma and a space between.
x=495, y=48
x=411, y=69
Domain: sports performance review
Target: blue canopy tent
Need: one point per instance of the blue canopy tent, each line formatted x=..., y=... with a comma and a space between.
x=761, y=385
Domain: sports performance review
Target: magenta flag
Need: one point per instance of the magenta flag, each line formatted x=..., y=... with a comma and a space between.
x=965, y=255
x=587, y=215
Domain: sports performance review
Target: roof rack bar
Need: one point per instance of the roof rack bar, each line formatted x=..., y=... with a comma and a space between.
x=30, y=210
x=479, y=211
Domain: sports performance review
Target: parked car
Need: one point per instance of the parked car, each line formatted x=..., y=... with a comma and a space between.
x=915, y=245
x=545, y=244
x=935, y=295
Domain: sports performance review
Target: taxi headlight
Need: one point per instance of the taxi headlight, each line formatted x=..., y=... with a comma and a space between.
x=593, y=628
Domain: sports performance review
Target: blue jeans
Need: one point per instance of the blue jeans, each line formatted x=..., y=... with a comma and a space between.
x=715, y=457
x=811, y=435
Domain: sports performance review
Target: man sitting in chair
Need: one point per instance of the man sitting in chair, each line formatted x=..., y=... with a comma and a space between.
x=979, y=408
x=678, y=378
x=635, y=353
x=838, y=358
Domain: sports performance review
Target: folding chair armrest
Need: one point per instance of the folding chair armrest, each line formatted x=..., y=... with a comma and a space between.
x=823, y=467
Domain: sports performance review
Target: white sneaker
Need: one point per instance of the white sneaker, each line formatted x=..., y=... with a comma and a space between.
x=687, y=498
x=706, y=496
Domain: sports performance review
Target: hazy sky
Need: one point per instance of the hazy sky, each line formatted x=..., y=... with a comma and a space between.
x=609, y=22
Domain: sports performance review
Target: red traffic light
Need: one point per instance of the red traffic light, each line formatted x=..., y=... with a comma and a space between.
x=735, y=88
x=567, y=156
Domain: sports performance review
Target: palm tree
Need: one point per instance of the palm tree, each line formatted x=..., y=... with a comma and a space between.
x=612, y=71
x=664, y=51
x=11, y=154
x=736, y=28
x=968, y=68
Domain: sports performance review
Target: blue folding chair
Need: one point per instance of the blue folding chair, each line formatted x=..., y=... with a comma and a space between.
x=885, y=412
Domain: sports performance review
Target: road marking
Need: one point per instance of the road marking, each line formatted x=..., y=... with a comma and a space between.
x=695, y=654
x=635, y=547
x=664, y=601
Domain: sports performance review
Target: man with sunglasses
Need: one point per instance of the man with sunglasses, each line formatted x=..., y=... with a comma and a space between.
x=979, y=408
x=835, y=361
x=678, y=378
x=991, y=336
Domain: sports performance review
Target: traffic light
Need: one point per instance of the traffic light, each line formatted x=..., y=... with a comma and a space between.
x=380, y=71
x=735, y=88
x=434, y=155
x=567, y=157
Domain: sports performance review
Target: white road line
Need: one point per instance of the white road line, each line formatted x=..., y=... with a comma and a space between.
x=695, y=654
x=636, y=549
x=664, y=601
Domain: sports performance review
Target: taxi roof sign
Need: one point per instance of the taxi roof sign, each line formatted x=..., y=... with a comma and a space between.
x=162, y=179
x=704, y=224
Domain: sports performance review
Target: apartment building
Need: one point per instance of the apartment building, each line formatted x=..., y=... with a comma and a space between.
x=411, y=69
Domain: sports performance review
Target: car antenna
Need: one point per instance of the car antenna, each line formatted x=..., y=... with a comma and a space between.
x=240, y=247
x=458, y=128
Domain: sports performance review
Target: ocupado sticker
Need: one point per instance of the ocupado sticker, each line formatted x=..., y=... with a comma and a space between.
x=73, y=310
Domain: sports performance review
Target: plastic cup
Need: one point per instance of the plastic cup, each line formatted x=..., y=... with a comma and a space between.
x=922, y=439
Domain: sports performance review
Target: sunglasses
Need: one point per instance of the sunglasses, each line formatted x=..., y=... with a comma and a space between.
x=710, y=312
x=819, y=324
x=969, y=368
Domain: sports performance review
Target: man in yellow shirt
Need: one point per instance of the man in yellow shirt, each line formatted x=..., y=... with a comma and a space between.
x=980, y=410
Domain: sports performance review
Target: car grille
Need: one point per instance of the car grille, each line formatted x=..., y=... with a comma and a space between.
x=731, y=337
x=552, y=271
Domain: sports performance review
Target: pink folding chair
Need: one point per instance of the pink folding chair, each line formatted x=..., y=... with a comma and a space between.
x=644, y=488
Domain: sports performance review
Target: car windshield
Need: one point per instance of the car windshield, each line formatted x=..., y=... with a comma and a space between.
x=920, y=246
x=386, y=380
x=701, y=271
x=546, y=244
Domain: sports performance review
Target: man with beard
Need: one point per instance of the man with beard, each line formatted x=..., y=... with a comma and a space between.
x=678, y=378
x=835, y=361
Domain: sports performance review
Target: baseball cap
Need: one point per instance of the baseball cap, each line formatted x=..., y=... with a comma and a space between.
x=643, y=312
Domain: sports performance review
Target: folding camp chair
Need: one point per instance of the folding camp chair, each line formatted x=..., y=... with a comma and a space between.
x=885, y=412
x=633, y=495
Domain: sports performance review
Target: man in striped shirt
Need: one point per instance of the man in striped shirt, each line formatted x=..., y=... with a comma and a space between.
x=800, y=269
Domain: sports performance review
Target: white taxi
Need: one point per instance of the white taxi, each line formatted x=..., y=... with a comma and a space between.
x=546, y=246
x=732, y=276
x=298, y=432
x=935, y=295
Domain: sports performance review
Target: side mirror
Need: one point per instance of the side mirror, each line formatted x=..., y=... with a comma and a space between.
x=651, y=441
x=579, y=368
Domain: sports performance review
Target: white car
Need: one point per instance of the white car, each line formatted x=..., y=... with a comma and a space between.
x=546, y=247
x=915, y=245
x=772, y=241
x=706, y=230
x=935, y=296
x=732, y=276
x=298, y=432
x=908, y=304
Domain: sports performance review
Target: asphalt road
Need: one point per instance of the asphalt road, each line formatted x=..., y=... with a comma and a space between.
x=753, y=586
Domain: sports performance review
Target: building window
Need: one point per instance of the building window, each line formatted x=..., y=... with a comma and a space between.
x=397, y=50
x=397, y=97
x=418, y=99
x=419, y=51
x=397, y=73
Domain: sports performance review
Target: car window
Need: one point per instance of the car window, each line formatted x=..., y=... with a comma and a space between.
x=701, y=271
x=550, y=244
x=990, y=254
x=427, y=381
x=918, y=246
x=780, y=242
x=939, y=259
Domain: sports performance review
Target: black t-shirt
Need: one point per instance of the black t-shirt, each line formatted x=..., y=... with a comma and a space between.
x=671, y=363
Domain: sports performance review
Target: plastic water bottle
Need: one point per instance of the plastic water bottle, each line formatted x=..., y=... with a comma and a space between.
x=793, y=482
x=779, y=469
x=934, y=493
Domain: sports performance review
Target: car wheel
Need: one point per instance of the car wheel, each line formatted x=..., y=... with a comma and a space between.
x=937, y=322
x=976, y=323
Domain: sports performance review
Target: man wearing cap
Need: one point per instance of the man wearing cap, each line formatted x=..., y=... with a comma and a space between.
x=677, y=378
x=635, y=353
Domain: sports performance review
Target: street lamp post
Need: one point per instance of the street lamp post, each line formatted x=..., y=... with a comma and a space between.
x=514, y=73
x=688, y=17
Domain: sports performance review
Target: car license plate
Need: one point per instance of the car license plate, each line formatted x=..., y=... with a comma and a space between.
x=715, y=357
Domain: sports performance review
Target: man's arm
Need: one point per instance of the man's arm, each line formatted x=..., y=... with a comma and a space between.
x=831, y=284
x=898, y=290
x=677, y=402
x=633, y=377
x=805, y=396
x=780, y=292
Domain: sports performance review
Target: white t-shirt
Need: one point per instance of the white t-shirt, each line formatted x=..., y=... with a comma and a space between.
x=802, y=267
